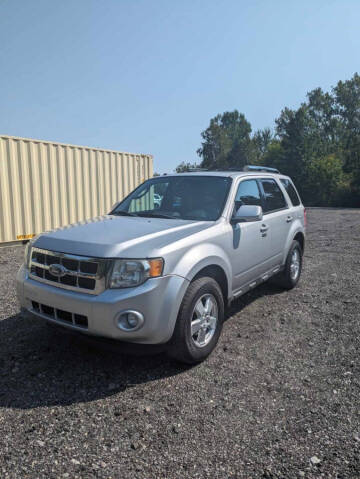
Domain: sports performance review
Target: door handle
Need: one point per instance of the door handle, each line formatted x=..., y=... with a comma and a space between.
x=289, y=219
x=264, y=228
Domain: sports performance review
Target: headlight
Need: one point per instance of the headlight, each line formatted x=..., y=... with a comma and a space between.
x=128, y=273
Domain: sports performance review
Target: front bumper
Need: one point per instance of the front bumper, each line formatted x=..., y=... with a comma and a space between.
x=158, y=299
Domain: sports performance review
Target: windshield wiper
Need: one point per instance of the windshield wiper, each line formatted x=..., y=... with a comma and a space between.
x=158, y=215
x=123, y=213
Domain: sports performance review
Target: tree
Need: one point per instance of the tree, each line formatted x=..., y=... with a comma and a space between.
x=326, y=180
x=184, y=167
x=347, y=97
x=327, y=125
x=317, y=144
x=227, y=142
x=261, y=141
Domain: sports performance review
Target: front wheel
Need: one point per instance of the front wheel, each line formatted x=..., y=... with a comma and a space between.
x=199, y=322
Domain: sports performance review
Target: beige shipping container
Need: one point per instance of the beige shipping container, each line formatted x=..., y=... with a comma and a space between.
x=44, y=185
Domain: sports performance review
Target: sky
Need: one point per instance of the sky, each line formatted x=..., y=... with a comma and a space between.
x=146, y=76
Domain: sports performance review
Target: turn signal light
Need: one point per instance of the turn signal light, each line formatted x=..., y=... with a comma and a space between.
x=156, y=267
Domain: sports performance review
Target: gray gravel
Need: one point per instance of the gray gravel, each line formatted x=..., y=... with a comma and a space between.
x=278, y=398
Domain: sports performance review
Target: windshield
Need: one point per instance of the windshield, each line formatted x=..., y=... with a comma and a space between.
x=200, y=198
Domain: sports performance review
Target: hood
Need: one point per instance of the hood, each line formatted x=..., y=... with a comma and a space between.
x=119, y=236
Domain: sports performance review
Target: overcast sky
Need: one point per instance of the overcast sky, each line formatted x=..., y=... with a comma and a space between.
x=147, y=75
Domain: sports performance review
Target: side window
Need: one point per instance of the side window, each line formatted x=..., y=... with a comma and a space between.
x=248, y=194
x=273, y=197
x=290, y=190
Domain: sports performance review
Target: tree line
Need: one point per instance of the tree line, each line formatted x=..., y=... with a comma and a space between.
x=318, y=145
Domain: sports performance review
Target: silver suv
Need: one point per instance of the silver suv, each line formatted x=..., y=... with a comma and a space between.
x=162, y=266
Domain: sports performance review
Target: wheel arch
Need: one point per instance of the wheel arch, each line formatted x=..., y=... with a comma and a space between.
x=295, y=233
x=300, y=237
x=218, y=274
x=216, y=267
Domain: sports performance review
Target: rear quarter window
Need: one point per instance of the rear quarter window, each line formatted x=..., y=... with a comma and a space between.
x=290, y=190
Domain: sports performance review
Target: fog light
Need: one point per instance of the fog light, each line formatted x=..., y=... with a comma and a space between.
x=130, y=320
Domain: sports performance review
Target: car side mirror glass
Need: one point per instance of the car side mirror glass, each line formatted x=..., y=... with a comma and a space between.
x=247, y=213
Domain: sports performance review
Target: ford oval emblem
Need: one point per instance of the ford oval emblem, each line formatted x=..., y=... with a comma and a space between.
x=57, y=270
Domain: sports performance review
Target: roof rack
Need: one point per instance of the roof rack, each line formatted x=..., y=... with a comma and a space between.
x=225, y=169
x=244, y=168
x=260, y=168
x=247, y=168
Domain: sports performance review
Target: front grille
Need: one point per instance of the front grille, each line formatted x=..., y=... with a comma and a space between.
x=78, y=320
x=78, y=273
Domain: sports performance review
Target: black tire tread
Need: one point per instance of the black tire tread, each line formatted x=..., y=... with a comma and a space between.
x=178, y=348
x=283, y=279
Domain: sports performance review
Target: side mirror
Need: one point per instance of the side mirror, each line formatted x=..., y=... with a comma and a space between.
x=247, y=213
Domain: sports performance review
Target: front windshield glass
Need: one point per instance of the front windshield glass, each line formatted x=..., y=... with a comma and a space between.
x=200, y=198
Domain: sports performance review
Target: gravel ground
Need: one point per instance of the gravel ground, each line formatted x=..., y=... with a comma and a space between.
x=279, y=398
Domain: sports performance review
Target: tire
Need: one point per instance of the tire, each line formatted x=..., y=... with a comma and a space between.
x=288, y=279
x=193, y=348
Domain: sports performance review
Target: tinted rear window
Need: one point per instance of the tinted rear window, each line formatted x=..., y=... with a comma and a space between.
x=290, y=190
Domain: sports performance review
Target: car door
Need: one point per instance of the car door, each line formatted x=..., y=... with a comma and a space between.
x=251, y=246
x=276, y=217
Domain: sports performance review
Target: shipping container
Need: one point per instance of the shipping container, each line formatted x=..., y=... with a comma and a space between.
x=44, y=185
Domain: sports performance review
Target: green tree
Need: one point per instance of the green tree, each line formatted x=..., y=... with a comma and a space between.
x=261, y=141
x=226, y=142
x=184, y=167
x=326, y=181
x=327, y=125
x=292, y=129
x=347, y=98
x=317, y=144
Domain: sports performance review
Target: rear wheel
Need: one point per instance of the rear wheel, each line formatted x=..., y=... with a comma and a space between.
x=290, y=276
x=199, y=322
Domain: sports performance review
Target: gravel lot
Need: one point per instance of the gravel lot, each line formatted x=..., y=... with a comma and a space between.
x=279, y=398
